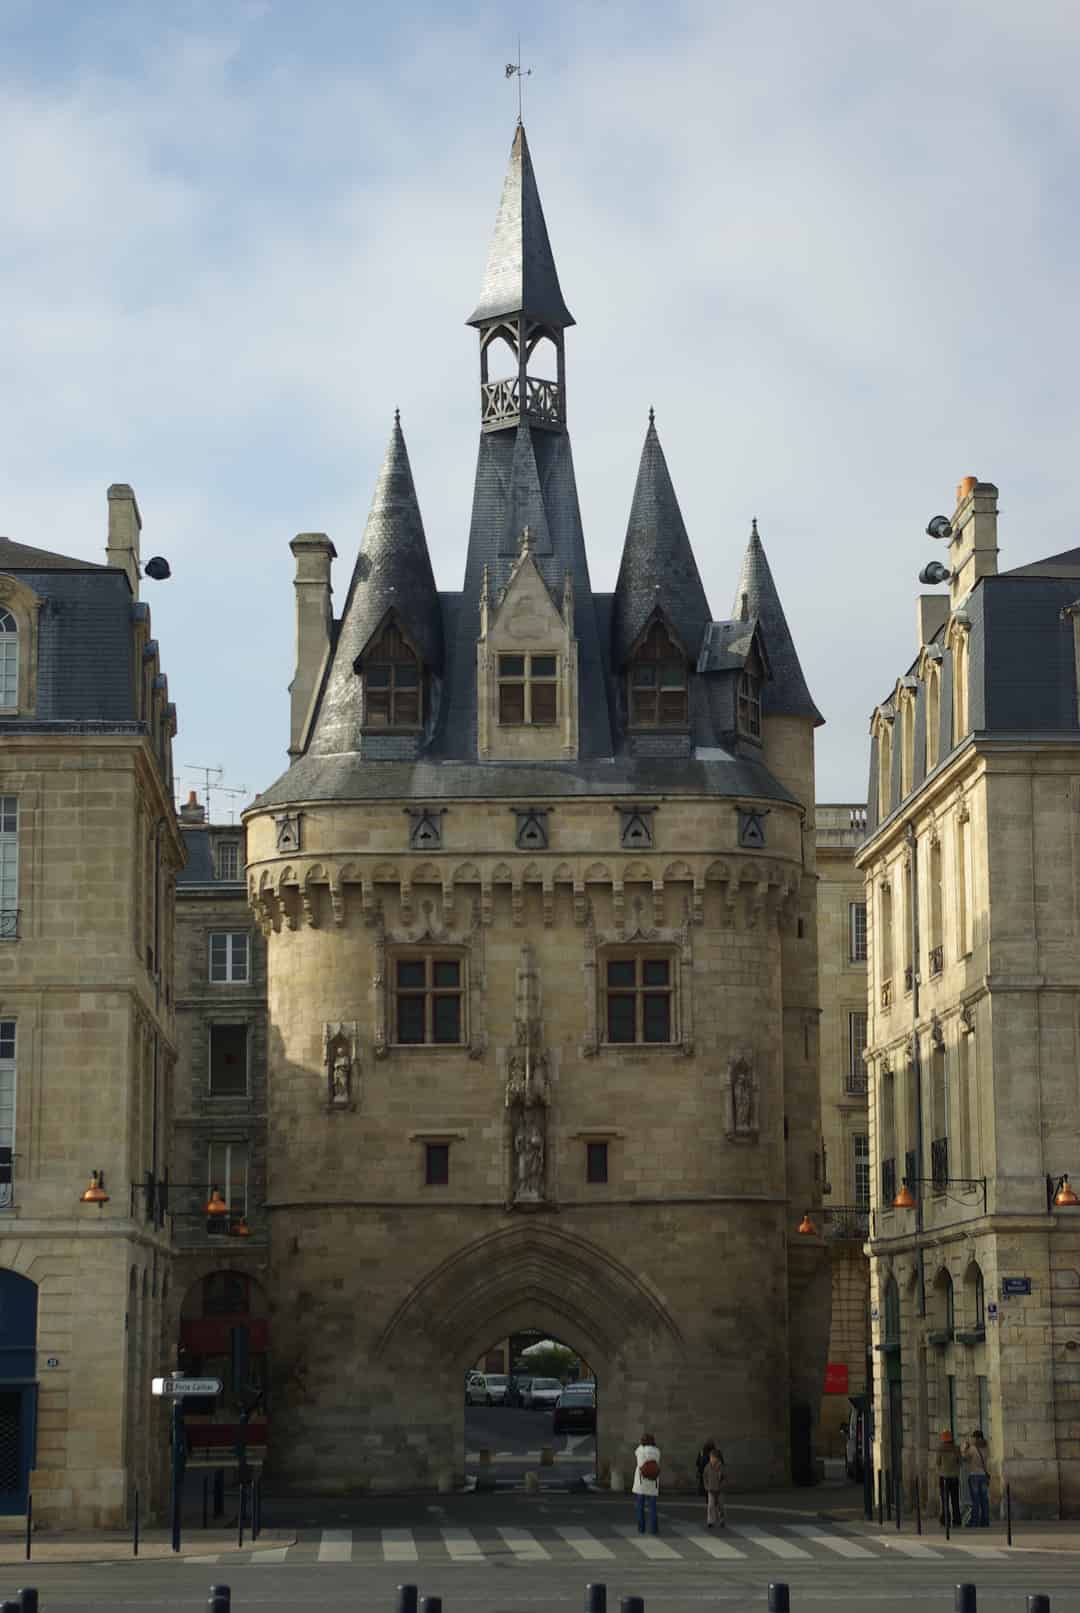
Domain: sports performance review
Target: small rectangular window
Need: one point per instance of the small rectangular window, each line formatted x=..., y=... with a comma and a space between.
x=227, y=1170
x=229, y=956
x=856, y=1071
x=528, y=689
x=860, y=1144
x=428, y=1000
x=228, y=859
x=596, y=1162
x=857, y=932
x=228, y=1061
x=436, y=1164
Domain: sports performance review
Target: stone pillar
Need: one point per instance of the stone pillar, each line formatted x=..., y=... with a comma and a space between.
x=125, y=525
x=313, y=552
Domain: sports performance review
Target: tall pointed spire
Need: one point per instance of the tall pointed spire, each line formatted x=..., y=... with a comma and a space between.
x=658, y=566
x=392, y=573
x=521, y=277
x=785, y=693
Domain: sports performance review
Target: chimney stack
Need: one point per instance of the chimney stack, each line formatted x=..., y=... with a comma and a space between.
x=973, y=547
x=192, y=810
x=125, y=524
x=313, y=552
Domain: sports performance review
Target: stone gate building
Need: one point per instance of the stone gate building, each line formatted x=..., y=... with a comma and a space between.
x=539, y=897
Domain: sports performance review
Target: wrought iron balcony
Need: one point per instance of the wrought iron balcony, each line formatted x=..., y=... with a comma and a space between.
x=939, y=1163
x=888, y=1183
x=855, y=1082
x=9, y=923
x=844, y=1222
x=937, y=960
x=500, y=402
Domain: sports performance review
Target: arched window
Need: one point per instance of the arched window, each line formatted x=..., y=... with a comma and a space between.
x=960, y=688
x=9, y=660
x=749, y=706
x=907, y=745
x=892, y=1312
x=974, y=1296
x=884, y=769
x=944, y=1303
x=658, y=684
x=933, y=716
x=392, y=683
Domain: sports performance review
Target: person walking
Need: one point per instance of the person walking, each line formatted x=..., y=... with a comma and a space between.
x=701, y=1461
x=975, y=1454
x=714, y=1488
x=647, y=1482
x=948, y=1469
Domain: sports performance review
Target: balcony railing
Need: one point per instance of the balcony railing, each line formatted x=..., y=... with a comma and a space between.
x=855, y=1082
x=939, y=1163
x=847, y=1222
x=501, y=400
x=888, y=1183
x=937, y=960
x=9, y=923
x=886, y=994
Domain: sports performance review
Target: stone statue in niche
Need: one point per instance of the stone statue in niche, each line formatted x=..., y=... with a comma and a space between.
x=528, y=1090
x=342, y=1063
x=529, y=1155
x=742, y=1099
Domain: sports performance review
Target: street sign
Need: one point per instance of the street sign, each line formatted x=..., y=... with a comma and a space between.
x=173, y=1388
x=1011, y=1286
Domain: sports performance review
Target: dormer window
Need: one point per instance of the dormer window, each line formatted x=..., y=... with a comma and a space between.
x=391, y=674
x=748, y=716
x=9, y=660
x=658, y=683
x=528, y=690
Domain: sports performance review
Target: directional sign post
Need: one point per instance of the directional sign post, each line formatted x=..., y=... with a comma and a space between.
x=176, y=1387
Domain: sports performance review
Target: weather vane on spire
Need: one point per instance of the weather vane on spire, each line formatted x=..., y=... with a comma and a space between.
x=515, y=70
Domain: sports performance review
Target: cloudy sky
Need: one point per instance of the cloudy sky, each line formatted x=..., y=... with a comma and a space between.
x=833, y=243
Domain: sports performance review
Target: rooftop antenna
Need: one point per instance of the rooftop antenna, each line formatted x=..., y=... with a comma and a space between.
x=515, y=70
x=211, y=784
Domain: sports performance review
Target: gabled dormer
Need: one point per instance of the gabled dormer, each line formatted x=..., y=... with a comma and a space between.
x=656, y=679
x=394, y=694
x=734, y=665
x=527, y=668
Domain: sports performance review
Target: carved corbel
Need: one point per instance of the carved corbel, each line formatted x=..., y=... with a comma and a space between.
x=731, y=897
x=699, y=901
x=369, y=907
x=337, y=902
x=580, y=903
x=517, y=901
x=487, y=898
x=658, y=903
x=618, y=903
x=307, y=903
x=756, y=904
x=406, y=902
x=547, y=898
x=449, y=915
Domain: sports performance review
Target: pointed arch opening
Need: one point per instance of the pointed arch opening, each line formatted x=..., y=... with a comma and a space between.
x=527, y=1390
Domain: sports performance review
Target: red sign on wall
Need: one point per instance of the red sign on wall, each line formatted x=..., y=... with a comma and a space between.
x=836, y=1378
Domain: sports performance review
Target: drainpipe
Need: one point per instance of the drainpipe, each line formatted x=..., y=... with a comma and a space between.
x=916, y=1058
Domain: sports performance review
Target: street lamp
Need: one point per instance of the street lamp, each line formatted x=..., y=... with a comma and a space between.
x=216, y=1208
x=1060, y=1194
x=806, y=1227
x=95, y=1193
x=906, y=1200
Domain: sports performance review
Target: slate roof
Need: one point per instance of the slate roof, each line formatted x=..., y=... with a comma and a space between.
x=521, y=276
x=657, y=568
x=726, y=646
x=21, y=557
x=785, y=693
x=351, y=778
x=1066, y=564
x=392, y=572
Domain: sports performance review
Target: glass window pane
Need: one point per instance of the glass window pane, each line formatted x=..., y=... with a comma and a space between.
x=542, y=666
x=511, y=702
x=673, y=708
x=406, y=708
x=644, y=675
x=406, y=675
x=240, y=956
x=411, y=972
x=672, y=675
x=377, y=709
x=447, y=972
x=410, y=1019
x=656, y=1020
x=437, y=1173
x=511, y=666
x=620, y=1018
x=620, y=972
x=596, y=1166
x=446, y=1019
x=543, y=702
x=643, y=708
x=228, y=1061
x=655, y=971
x=378, y=677
x=219, y=957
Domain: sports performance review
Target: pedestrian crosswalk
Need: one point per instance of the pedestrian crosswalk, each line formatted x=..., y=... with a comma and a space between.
x=606, y=1542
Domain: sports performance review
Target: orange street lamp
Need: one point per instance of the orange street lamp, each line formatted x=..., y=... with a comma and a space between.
x=1064, y=1196
x=806, y=1227
x=95, y=1192
x=240, y=1229
x=905, y=1199
x=215, y=1204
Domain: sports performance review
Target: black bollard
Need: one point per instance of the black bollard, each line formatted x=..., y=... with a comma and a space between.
x=256, y=1510
x=1038, y=1603
x=431, y=1604
x=29, y=1526
x=965, y=1599
x=10, y=1607
x=631, y=1604
x=407, y=1596
x=206, y=1500
x=596, y=1599
x=28, y=1600
x=899, y=1492
x=240, y=1518
x=219, y=1492
x=135, y=1526
x=220, y=1599
x=945, y=1509
x=918, y=1509
x=1008, y=1514
x=779, y=1597
x=888, y=1494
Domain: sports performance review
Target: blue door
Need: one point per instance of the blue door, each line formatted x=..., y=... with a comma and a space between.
x=18, y=1390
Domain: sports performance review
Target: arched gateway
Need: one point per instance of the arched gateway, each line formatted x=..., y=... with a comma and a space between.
x=539, y=895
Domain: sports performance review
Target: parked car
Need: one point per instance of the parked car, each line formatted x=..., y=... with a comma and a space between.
x=542, y=1392
x=497, y=1385
x=476, y=1393
x=518, y=1390
x=575, y=1410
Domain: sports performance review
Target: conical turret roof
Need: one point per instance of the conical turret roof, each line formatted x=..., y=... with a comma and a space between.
x=658, y=566
x=785, y=693
x=521, y=276
x=392, y=572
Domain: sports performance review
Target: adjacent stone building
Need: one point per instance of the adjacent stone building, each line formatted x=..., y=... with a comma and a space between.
x=539, y=898
x=972, y=865
x=844, y=1129
x=88, y=857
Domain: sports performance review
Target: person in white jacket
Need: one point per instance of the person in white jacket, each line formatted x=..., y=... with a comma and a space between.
x=647, y=1482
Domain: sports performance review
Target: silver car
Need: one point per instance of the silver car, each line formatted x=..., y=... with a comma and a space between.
x=542, y=1392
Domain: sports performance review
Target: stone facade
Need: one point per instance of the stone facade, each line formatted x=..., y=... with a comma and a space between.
x=844, y=1130
x=539, y=899
x=971, y=878
x=87, y=1015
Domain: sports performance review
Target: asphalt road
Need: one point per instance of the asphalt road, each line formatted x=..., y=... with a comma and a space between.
x=501, y=1552
x=515, y=1438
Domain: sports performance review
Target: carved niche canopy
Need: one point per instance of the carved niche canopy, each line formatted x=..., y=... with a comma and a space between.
x=752, y=828
x=636, y=826
x=287, y=831
x=425, y=827
x=531, y=828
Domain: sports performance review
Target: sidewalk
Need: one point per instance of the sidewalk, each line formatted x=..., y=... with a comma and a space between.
x=113, y=1546
x=843, y=1504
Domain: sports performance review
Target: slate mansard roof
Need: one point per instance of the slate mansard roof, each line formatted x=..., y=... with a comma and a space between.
x=525, y=478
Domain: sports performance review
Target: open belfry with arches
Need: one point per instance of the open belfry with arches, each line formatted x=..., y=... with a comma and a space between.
x=538, y=899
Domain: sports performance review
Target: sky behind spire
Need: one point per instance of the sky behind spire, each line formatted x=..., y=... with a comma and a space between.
x=835, y=246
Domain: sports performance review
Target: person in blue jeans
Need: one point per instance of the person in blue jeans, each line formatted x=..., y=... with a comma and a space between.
x=647, y=1482
x=975, y=1455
